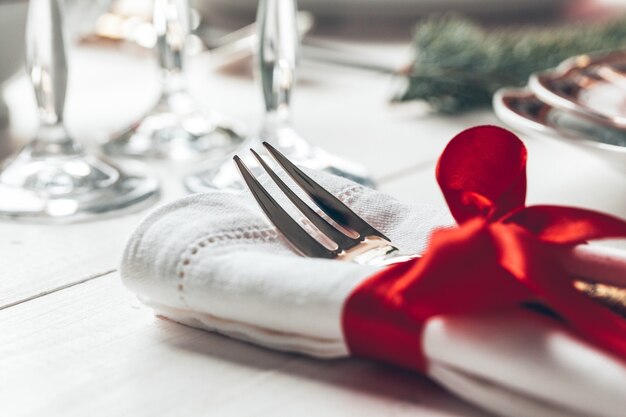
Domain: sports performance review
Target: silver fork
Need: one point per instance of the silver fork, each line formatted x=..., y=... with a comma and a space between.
x=366, y=245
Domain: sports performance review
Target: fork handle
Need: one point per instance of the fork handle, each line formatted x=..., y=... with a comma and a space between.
x=377, y=251
x=278, y=52
x=395, y=258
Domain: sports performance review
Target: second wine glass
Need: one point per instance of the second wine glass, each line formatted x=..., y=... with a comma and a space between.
x=277, y=56
x=176, y=128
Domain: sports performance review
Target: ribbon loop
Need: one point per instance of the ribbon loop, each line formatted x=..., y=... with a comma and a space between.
x=482, y=172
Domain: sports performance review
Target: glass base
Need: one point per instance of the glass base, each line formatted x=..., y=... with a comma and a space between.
x=69, y=188
x=176, y=130
x=226, y=176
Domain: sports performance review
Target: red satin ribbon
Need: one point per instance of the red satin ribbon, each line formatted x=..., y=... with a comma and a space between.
x=500, y=255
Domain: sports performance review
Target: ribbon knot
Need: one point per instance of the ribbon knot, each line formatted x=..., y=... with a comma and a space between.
x=501, y=255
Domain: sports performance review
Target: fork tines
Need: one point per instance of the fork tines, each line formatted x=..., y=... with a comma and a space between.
x=329, y=204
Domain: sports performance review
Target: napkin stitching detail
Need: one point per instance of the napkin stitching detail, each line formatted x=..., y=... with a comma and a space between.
x=253, y=232
x=348, y=195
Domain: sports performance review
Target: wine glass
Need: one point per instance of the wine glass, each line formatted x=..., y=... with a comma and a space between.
x=52, y=178
x=278, y=51
x=175, y=128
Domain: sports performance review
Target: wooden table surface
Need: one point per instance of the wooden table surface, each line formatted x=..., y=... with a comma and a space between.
x=75, y=342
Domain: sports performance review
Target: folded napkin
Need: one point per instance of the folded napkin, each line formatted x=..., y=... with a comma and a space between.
x=213, y=261
x=216, y=257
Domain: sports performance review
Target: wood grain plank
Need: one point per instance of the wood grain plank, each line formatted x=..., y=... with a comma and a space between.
x=38, y=259
x=94, y=350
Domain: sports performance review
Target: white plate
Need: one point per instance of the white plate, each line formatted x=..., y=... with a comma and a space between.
x=522, y=110
x=593, y=86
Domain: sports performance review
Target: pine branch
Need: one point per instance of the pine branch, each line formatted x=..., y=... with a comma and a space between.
x=459, y=65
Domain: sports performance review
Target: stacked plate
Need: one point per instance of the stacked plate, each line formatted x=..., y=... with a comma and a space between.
x=582, y=102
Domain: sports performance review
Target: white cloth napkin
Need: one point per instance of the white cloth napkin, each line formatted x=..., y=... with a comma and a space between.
x=213, y=261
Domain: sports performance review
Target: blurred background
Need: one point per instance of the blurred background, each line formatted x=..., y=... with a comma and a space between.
x=373, y=35
x=339, y=20
x=336, y=26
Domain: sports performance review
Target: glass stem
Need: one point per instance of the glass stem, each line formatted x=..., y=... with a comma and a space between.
x=46, y=65
x=273, y=123
x=277, y=61
x=171, y=21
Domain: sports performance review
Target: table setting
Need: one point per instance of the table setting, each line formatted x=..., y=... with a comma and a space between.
x=271, y=219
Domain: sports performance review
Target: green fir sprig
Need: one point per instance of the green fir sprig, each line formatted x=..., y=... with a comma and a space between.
x=458, y=64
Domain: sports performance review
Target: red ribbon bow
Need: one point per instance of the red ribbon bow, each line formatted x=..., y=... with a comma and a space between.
x=502, y=254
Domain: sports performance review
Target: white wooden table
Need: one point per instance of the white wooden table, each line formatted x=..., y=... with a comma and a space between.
x=75, y=342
